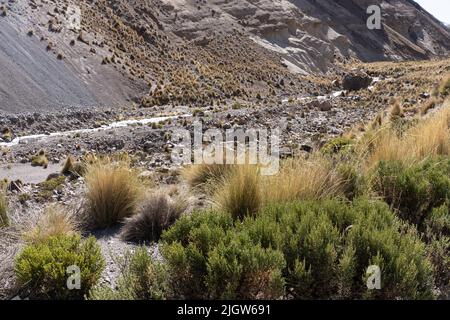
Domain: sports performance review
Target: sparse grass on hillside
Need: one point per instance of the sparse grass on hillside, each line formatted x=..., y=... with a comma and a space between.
x=113, y=192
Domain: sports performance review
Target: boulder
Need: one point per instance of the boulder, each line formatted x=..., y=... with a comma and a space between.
x=356, y=81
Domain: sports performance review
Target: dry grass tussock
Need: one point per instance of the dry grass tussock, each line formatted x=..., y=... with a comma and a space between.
x=200, y=175
x=239, y=191
x=156, y=213
x=113, y=193
x=243, y=191
x=303, y=179
x=4, y=219
x=429, y=137
x=55, y=221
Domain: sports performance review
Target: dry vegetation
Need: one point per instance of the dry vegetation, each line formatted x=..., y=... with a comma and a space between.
x=55, y=221
x=156, y=213
x=113, y=193
x=4, y=219
x=430, y=137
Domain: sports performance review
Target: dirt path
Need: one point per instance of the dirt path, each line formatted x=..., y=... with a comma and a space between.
x=26, y=173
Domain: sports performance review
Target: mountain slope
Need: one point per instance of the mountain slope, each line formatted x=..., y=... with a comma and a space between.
x=195, y=51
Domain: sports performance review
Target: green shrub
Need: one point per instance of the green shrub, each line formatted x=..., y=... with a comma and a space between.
x=438, y=222
x=414, y=190
x=207, y=259
x=352, y=183
x=42, y=268
x=142, y=279
x=439, y=253
x=318, y=250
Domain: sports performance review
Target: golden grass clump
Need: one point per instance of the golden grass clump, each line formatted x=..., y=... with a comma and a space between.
x=68, y=167
x=239, y=192
x=40, y=160
x=396, y=111
x=199, y=175
x=75, y=168
x=55, y=221
x=303, y=179
x=427, y=106
x=444, y=88
x=4, y=220
x=430, y=137
x=113, y=193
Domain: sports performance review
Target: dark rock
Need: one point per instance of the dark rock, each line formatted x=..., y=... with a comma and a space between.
x=15, y=186
x=306, y=148
x=356, y=81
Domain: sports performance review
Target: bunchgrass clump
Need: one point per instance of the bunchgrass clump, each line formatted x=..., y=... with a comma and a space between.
x=4, y=219
x=303, y=179
x=156, y=214
x=40, y=160
x=239, y=192
x=204, y=175
x=113, y=193
x=55, y=221
x=429, y=137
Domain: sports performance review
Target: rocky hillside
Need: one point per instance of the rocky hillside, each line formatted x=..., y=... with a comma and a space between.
x=156, y=52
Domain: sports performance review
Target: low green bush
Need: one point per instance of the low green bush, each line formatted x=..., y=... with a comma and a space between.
x=208, y=259
x=314, y=250
x=414, y=190
x=438, y=222
x=439, y=253
x=42, y=268
x=142, y=279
